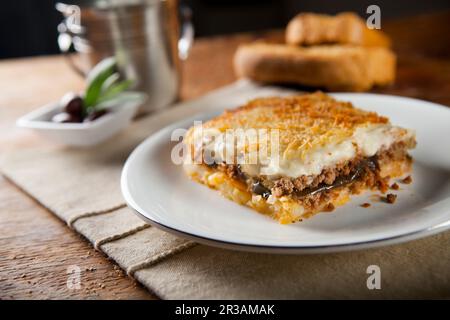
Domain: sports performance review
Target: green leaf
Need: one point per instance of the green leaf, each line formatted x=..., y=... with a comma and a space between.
x=114, y=78
x=121, y=99
x=98, y=75
x=114, y=89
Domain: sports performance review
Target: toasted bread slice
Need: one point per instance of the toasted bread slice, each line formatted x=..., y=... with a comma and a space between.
x=344, y=28
x=333, y=67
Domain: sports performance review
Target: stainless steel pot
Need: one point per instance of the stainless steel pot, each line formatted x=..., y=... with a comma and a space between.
x=144, y=35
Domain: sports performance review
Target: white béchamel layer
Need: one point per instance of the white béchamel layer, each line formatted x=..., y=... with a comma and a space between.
x=366, y=140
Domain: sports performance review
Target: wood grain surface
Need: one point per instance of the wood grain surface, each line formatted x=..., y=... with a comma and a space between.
x=36, y=248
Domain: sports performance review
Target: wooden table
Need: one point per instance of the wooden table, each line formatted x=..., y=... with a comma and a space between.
x=36, y=248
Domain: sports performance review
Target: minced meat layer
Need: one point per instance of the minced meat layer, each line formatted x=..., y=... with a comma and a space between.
x=350, y=172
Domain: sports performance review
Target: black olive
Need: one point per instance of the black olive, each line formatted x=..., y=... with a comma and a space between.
x=72, y=104
x=259, y=189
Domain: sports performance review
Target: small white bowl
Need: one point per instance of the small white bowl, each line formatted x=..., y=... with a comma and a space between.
x=86, y=133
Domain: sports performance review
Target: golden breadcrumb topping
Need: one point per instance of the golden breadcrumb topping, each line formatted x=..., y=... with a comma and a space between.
x=304, y=121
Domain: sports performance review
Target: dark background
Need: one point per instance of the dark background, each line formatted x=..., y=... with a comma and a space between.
x=28, y=27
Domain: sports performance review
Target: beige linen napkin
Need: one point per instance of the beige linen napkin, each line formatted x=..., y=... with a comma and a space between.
x=418, y=269
x=81, y=186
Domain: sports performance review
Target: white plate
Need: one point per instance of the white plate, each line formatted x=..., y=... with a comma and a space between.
x=160, y=193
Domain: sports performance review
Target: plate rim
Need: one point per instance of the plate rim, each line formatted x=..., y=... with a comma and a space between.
x=277, y=249
x=354, y=246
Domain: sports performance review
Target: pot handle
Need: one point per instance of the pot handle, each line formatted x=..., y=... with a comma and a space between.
x=187, y=32
x=71, y=22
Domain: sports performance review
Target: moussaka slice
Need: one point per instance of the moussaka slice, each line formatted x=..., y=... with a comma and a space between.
x=292, y=157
